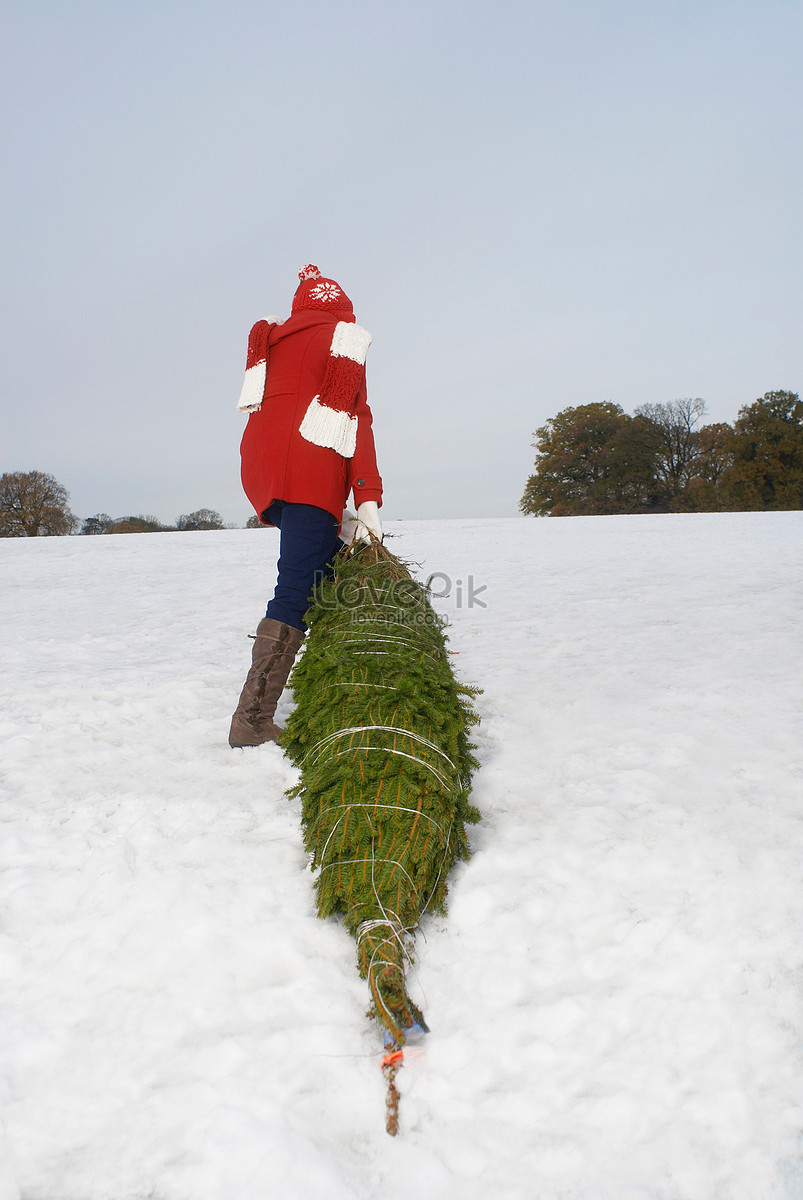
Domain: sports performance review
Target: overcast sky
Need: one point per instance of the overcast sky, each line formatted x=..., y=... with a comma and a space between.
x=532, y=205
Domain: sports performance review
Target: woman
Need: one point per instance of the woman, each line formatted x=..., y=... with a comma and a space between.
x=307, y=444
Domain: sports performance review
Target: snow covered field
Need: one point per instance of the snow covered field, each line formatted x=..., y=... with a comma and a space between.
x=615, y=995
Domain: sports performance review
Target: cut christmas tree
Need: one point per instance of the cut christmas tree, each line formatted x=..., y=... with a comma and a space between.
x=380, y=735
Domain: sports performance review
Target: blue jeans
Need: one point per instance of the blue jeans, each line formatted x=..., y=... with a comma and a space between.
x=307, y=544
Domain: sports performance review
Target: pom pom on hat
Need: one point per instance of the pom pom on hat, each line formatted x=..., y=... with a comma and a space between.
x=309, y=272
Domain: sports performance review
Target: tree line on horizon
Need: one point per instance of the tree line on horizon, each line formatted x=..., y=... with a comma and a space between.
x=35, y=504
x=595, y=459
x=203, y=518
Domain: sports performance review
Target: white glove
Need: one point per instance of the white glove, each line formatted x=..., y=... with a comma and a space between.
x=368, y=522
x=348, y=526
x=360, y=528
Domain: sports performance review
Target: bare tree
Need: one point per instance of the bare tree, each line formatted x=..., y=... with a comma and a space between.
x=678, y=440
x=204, y=518
x=100, y=523
x=33, y=504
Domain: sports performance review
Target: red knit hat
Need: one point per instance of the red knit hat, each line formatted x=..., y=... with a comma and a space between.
x=316, y=292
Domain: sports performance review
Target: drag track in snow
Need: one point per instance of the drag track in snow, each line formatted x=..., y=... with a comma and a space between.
x=615, y=994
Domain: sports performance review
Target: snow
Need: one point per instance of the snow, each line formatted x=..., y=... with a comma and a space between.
x=614, y=995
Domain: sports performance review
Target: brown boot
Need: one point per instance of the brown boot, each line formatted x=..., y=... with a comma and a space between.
x=275, y=649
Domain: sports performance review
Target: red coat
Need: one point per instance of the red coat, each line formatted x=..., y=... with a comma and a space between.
x=277, y=462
